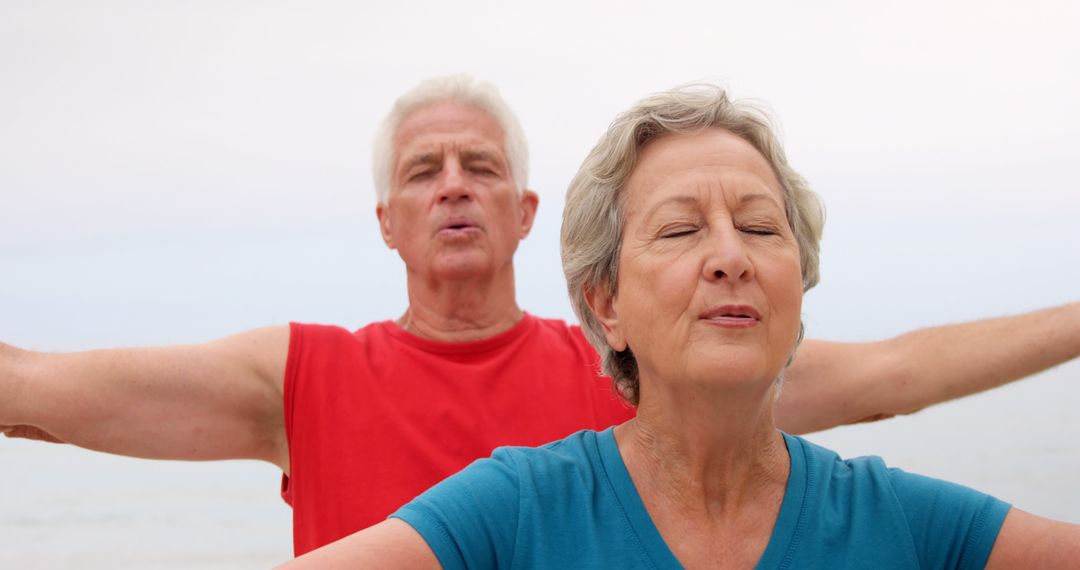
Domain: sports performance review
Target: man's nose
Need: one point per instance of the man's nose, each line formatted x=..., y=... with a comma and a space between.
x=454, y=185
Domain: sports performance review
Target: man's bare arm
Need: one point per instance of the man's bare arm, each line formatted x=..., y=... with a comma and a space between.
x=834, y=383
x=218, y=400
x=29, y=432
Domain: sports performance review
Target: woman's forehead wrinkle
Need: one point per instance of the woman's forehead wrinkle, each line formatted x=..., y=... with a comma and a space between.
x=680, y=201
x=759, y=197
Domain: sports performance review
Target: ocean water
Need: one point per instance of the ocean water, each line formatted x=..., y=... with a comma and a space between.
x=62, y=507
x=1018, y=442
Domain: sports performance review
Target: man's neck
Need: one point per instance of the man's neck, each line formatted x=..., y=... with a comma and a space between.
x=461, y=310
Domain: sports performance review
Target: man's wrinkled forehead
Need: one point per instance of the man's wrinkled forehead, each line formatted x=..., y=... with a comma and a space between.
x=449, y=125
x=435, y=154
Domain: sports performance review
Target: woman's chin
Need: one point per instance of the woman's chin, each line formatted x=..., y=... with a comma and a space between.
x=734, y=370
x=745, y=364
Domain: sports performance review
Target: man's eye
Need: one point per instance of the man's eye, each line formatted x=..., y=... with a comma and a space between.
x=419, y=175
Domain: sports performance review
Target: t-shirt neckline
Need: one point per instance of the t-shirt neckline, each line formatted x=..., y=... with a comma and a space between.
x=784, y=533
x=515, y=332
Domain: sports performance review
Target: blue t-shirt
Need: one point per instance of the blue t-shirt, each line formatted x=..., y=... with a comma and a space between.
x=572, y=504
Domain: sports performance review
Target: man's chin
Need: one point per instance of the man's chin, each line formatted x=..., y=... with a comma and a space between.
x=463, y=265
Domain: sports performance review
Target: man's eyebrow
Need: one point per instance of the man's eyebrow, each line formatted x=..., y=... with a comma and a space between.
x=480, y=154
x=424, y=158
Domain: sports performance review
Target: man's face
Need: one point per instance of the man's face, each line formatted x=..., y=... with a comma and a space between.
x=454, y=211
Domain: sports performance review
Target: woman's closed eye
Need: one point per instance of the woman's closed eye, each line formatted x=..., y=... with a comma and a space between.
x=759, y=230
x=677, y=232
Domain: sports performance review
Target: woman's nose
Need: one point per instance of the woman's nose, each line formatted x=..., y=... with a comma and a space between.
x=727, y=255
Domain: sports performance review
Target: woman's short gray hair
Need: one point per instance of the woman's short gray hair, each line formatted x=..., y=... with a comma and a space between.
x=458, y=88
x=593, y=217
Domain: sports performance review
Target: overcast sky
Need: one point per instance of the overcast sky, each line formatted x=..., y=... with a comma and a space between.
x=174, y=171
x=180, y=170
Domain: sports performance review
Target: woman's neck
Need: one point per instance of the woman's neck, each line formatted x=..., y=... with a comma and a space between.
x=711, y=477
x=713, y=461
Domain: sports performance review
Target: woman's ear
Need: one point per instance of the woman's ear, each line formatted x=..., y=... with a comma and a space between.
x=603, y=307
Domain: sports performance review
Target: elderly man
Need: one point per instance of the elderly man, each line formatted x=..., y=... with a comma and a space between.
x=360, y=422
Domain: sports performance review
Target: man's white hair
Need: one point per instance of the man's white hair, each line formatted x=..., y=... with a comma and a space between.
x=458, y=88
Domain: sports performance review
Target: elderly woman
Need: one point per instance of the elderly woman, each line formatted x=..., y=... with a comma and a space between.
x=687, y=243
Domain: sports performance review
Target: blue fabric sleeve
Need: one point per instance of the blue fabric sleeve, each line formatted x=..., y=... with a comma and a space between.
x=470, y=520
x=953, y=526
